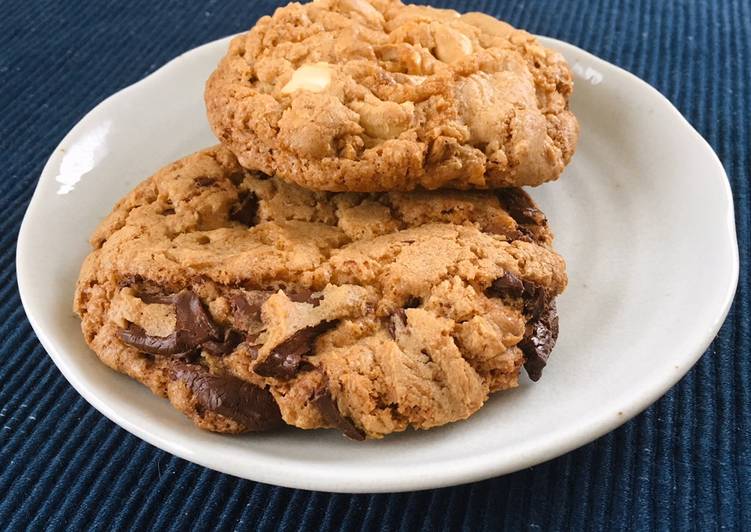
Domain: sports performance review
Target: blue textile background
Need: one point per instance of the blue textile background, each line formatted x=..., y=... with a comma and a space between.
x=685, y=463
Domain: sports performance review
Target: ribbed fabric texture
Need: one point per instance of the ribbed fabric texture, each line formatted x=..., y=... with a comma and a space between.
x=685, y=463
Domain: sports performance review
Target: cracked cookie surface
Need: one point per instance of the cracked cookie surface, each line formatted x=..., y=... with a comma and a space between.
x=250, y=302
x=365, y=96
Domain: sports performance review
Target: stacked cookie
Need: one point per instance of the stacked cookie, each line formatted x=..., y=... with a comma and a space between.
x=355, y=254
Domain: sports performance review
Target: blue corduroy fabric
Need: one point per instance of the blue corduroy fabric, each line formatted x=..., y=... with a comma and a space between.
x=685, y=463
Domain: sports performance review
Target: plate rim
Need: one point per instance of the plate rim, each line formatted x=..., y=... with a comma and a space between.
x=470, y=470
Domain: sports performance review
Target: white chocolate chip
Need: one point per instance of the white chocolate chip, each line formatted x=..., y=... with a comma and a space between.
x=384, y=120
x=315, y=77
x=414, y=79
x=451, y=45
x=488, y=24
x=364, y=8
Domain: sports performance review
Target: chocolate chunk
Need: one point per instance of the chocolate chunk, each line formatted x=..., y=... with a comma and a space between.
x=253, y=348
x=398, y=317
x=194, y=328
x=140, y=285
x=524, y=235
x=285, y=359
x=539, y=339
x=508, y=283
x=305, y=366
x=231, y=340
x=537, y=300
x=175, y=344
x=535, y=296
x=245, y=212
x=412, y=302
x=193, y=319
x=325, y=403
x=520, y=207
x=205, y=181
x=244, y=309
x=231, y=397
x=528, y=217
x=246, y=306
x=129, y=280
x=282, y=366
x=303, y=295
x=237, y=177
x=541, y=331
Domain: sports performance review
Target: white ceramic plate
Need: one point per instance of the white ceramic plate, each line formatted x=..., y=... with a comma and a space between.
x=643, y=215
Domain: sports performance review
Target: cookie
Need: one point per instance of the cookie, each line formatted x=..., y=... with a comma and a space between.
x=251, y=303
x=353, y=95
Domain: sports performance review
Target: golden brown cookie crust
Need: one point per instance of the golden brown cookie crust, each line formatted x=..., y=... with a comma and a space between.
x=400, y=309
x=360, y=95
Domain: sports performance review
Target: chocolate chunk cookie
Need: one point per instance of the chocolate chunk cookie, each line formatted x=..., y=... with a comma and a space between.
x=250, y=302
x=376, y=95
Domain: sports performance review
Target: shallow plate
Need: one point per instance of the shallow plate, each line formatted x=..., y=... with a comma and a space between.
x=644, y=216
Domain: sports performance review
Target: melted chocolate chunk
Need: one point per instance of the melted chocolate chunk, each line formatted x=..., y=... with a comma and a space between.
x=508, y=283
x=303, y=295
x=194, y=328
x=141, y=285
x=535, y=296
x=237, y=177
x=232, y=339
x=285, y=359
x=282, y=366
x=252, y=348
x=541, y=331
x=246, y=307
x=129, y=280
x=399, y=316
x=412, y=302
x=193, y=319
x=539, y=339
x=231, y=397
x=205, y=181
x=325, y=403
x=245, y=211
x=520, y=207
x=173, y=345
x=537, y=301
x=527, y=217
